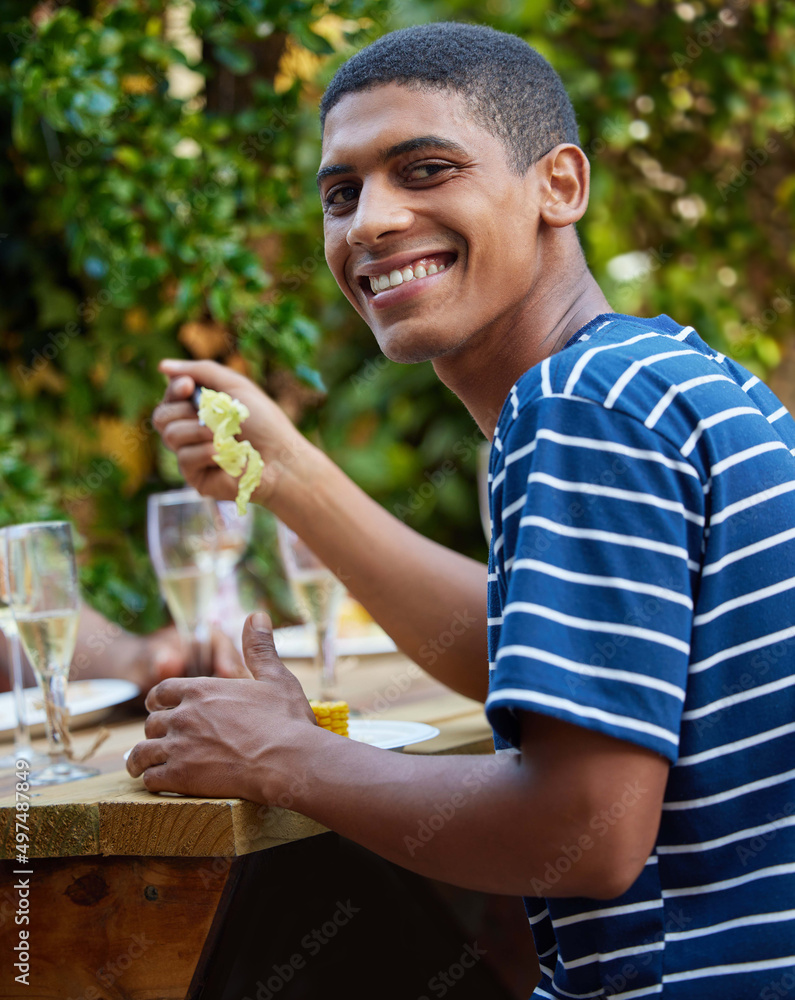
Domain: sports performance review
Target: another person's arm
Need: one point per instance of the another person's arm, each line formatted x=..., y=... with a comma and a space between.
x=429, y=599
x=105, y=649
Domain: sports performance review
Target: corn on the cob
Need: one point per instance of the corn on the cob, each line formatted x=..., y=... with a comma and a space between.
x=331, y=715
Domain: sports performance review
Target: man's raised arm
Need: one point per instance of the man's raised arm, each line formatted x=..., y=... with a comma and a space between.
x=429, y=599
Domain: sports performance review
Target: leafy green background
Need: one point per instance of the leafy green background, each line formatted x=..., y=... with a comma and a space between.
x=138, y=224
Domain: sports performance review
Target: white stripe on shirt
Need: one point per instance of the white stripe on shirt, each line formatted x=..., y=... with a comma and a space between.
x=590, y=579
x=674, y=390
x=762, y=497
x=582, y=711
x=731, y=793
x=729, y=970
x=742, y=647
x=716, y=418
x=635, y=541
x=729, y=838
x=744, y=599
x=632, y=370
x=596, y=625
x=587, y=670
x=749, y=550
x=735, y=699
x=749, y=920
x=728, y=748
x=614, y=492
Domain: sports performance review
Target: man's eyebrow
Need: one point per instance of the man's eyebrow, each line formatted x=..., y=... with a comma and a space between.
x=407, y=146
x=422, y=142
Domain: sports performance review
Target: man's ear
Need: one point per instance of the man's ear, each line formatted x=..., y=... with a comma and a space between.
x=564, y=176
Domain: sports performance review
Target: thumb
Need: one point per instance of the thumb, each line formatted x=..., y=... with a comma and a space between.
x=259, y=650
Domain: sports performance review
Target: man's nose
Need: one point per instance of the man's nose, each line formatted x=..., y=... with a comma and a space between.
x=381, y=210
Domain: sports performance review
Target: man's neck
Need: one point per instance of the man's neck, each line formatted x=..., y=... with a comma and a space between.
x=482, y=372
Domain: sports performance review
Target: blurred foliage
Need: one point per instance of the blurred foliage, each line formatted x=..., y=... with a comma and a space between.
x=159, y=200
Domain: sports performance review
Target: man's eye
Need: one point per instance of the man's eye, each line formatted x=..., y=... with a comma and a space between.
x=341, y=195
x=424, y=171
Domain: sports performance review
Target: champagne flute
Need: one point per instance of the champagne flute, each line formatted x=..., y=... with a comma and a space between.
x=320, y=594
x=22, y=746
x=484, y=452
x=183, y=542
x=234, y=534
x=45, y=600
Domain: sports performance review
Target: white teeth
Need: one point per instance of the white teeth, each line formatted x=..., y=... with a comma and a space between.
x=380, y=282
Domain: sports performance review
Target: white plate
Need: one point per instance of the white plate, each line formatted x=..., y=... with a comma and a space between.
x=388, y=734
x=298, y=642
x=87, y=701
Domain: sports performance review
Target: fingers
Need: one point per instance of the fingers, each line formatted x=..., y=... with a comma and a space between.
x=179, y=388
x=208, y=373
x=170, y=410
x=156, y=725
x=168, y=693
x=180, y=434
x=226, y=660
x=150, y=753
x=259, y=650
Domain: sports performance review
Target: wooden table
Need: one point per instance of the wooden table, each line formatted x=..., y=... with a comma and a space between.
x=133, y=895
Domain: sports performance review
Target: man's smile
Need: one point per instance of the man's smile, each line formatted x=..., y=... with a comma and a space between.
x=376, y=279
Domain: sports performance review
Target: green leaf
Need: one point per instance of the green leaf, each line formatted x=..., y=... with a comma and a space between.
x=238, y=61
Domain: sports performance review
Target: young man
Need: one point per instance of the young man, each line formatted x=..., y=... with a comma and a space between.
x=640, y=586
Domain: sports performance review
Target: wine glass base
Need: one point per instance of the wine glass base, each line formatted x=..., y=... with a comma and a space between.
x=57, y=774
x=32, y=757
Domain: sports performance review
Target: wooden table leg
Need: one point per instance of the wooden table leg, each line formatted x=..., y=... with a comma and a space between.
x=111, y=928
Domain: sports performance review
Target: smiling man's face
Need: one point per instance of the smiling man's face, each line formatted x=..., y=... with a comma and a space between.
x=429, y=234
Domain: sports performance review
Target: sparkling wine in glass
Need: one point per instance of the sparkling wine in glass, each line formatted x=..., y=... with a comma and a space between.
x=319, y=594
x=484, y=452
x=45, y=600
x=22, y=746
x=234, y=534
x=183, y=541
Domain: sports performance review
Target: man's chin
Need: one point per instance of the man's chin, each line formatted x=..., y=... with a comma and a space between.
x=410, y=350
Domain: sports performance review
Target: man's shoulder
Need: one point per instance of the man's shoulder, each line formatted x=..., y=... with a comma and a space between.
x=610, y=346
x=621, y=363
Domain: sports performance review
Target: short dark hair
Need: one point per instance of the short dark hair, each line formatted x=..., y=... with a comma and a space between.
x=511, y=90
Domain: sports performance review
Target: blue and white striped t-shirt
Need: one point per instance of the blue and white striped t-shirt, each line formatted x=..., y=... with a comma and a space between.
x=642, y=584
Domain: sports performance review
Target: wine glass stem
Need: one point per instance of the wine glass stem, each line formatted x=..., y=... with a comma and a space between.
x=325, y=661
x=22, y=732
x=54, y=691
x=200, y=655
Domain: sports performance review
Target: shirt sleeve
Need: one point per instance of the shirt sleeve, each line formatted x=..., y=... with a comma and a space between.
x=598, y=533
